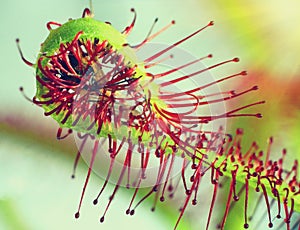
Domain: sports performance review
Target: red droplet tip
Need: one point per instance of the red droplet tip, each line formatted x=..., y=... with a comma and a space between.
x=95, y=201
x=258, y=115
x=239, y=131
x=244, y=73
x=284, y=151
x=102, y=219
x=271, y=140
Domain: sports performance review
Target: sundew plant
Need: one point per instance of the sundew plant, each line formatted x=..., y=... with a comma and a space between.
x=151, y=120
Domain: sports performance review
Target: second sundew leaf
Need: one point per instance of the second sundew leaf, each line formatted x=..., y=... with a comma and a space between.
x=257, y=172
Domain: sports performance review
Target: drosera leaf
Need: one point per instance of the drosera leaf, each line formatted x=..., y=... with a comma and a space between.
x=256, y=172
x=126, y=109
x=254, y=181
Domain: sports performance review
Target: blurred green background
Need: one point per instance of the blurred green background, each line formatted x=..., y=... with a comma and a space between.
x=36, y=191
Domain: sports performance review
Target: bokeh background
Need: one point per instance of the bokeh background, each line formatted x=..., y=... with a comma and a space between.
x=36, y=191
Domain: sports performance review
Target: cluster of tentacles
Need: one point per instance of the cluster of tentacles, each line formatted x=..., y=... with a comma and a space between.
x=243, y=174
x=89, y=87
